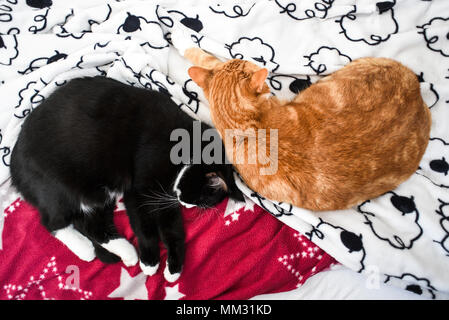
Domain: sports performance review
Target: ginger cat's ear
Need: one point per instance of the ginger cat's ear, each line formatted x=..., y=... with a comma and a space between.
x=199, y=75
x=258, y=79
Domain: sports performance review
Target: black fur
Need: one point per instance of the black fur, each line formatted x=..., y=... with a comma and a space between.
x=95, y=135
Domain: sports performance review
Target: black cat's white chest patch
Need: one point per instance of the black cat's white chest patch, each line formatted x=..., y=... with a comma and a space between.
x=111, y=196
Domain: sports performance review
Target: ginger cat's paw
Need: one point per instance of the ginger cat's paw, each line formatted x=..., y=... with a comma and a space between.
x=181, y=39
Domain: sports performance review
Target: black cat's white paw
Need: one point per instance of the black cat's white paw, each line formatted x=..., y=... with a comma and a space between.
x=149, y=270
x=123, y=249
x=171, y=277
x=80, y=245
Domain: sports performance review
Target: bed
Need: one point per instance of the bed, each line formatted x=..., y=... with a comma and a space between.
x=395, y=246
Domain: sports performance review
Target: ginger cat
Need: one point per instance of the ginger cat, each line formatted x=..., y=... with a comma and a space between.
x=349, y=137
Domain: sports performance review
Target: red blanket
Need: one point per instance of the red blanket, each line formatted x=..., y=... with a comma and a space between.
x=232, y=252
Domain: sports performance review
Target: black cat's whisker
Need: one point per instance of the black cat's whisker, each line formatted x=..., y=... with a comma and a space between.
x=160, y=199
x=162, y=187
x=161, y=202
x=214, y=212
x=164, y=207
x=160, y=196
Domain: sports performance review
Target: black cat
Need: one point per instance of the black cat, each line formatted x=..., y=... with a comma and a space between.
x=94, y=138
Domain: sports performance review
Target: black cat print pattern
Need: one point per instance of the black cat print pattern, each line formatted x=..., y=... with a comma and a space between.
x=45, y=43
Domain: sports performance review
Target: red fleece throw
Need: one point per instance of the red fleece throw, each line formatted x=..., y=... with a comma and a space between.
x=234, y=251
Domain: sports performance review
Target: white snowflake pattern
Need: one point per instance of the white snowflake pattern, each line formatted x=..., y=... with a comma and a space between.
x=309, y=252
x=11, y=205
x=20, y=292
x=233, y=207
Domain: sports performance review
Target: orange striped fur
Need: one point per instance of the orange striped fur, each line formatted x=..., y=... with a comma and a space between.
x=349, y=137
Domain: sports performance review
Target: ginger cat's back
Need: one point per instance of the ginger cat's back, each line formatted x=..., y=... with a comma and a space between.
x=369, y=130
x=351, y=136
